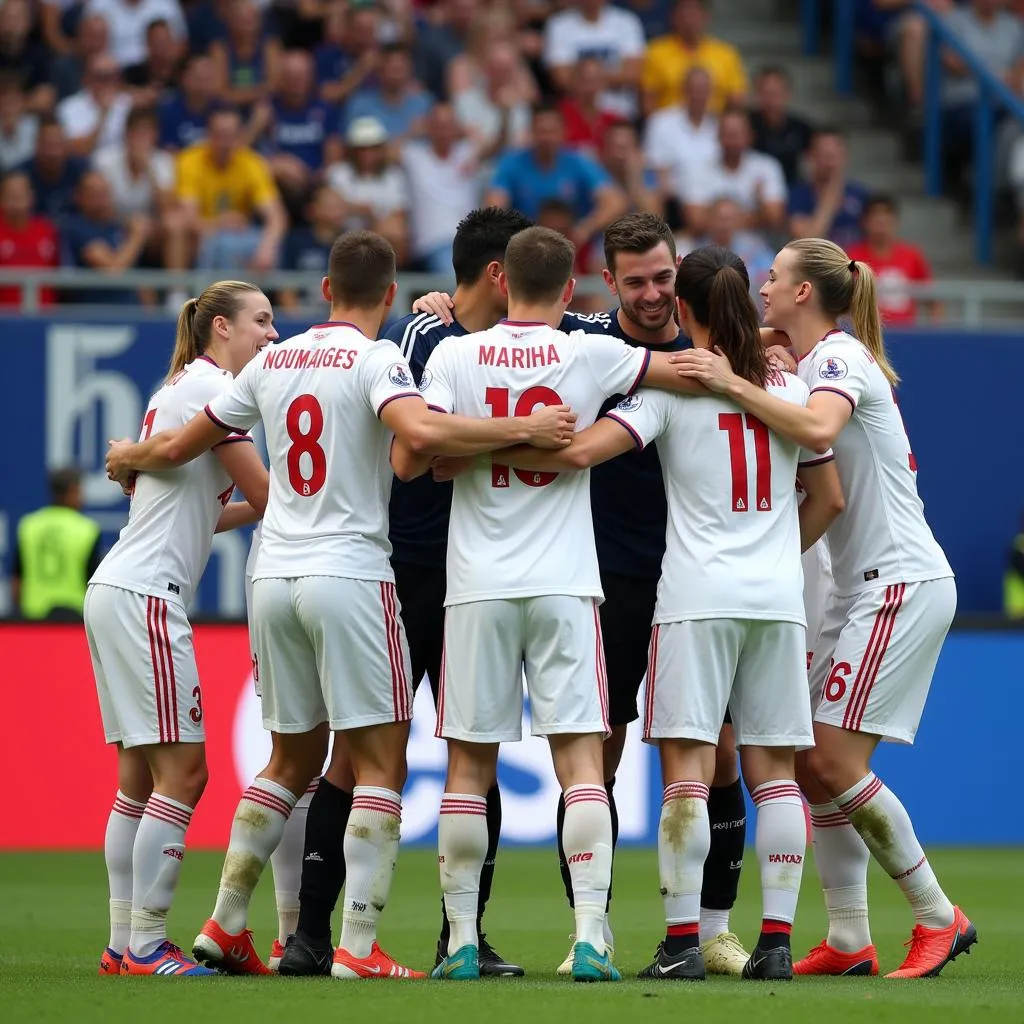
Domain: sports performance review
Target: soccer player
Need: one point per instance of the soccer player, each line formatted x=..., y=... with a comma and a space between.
x=889, y=611
x=330, y=644
x=523, y=587
x=419, y=537
x=140, y=639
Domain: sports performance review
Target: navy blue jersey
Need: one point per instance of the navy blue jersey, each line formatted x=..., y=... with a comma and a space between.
x=421, y=508
x=627, y=493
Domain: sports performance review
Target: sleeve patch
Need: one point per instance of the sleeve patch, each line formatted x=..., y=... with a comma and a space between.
x=833, y=368
x=630, y=404
x=399, y=376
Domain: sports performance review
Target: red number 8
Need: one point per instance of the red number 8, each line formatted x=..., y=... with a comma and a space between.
x=305, y=443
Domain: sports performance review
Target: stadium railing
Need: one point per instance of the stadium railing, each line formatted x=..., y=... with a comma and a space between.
x=968, y=303
x=993, y=95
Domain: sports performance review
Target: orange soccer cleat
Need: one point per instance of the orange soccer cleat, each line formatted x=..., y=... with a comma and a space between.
x=235, y=954
x=276, y=952
x=377, y=965
x=110, y=963
x=827, y=960
x=932, y=948
x=166, y=961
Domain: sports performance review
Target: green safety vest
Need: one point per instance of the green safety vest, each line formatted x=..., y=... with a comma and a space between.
x=1013, y=581
x=54, y=544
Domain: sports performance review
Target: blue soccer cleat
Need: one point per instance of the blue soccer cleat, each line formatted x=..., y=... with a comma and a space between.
x=166, y=961
x=589, y=965
x=462, y=965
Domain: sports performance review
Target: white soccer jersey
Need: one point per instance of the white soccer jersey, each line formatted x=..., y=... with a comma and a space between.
x=319, y=396
x=733, y=540
x=165, y=544
x=514, y=533
x=882, y=536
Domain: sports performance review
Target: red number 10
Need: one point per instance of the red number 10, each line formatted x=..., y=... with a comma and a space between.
x=732, y=424
x=497, y=399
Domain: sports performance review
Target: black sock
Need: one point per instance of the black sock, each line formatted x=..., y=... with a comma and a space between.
x=493, y=835
x=323, y=859
x=563, y=864
x=610, y=790
x=727, y=815
x=776, y=935
x=676, y=943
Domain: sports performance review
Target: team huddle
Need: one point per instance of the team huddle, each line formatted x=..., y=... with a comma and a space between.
x=749, y=552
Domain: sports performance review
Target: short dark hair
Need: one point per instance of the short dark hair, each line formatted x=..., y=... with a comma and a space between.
x=360, y=269
x=775, y=71
x=636, y=232
x=141, y=115
x=157, y=23
x=220, y=111
x=545, y=107
x=538, y=265
x=62, y=482
x=883, y=199
x=555, y=205
x=482, y=237
x=825, y=130
x=388, y=49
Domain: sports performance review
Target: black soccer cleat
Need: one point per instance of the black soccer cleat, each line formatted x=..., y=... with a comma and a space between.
x=687, y=965
x=774, y=964
x=494, y=965
x=305, y=957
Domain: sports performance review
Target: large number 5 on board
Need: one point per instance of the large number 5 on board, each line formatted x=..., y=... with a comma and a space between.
x=732, y=424
x=305, y=442
x=497, y=399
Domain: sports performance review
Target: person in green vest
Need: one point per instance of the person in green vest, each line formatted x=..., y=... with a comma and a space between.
x=58, y=550
x=1013, y=579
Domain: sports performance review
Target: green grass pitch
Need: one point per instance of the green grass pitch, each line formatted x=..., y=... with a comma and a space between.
x=53, y=928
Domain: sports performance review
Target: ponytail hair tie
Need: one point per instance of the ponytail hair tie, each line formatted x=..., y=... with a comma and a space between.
x=853, y=266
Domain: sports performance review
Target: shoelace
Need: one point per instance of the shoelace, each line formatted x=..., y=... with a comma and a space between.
x=177, y=953
x=917, y=937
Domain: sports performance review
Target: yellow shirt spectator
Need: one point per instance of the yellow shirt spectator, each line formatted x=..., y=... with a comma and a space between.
x=668, y=59
x=242, y=185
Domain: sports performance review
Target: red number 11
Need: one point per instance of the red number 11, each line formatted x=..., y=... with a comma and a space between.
x=732, y=424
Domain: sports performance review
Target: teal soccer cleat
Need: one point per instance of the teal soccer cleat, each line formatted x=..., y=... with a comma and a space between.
x=462, y=965
x=589, y=965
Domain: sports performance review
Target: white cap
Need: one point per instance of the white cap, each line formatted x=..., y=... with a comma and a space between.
x=366, y=131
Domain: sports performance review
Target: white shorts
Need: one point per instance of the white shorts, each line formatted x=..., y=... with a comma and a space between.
x=145, y=667
x=873, y=664
x=698, y=668
x=330, y=649
x=554, y=640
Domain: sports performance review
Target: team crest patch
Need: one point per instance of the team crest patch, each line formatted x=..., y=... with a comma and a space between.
x=425, y=379
x=399, y=376
x=832, y=369
x=631, y=403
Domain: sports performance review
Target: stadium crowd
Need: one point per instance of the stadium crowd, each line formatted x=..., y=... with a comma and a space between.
x=238, y=135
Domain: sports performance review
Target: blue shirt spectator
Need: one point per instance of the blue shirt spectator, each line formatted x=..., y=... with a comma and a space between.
x=183, y=115
x=347, y=59
x=54, y=174
x=398, y=102
x=307, y=248
x=301, y=123
x=654, y=15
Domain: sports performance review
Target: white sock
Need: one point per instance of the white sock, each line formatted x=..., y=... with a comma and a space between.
x=286, y=864
x=684, y=839
x=255, y=832
x=842, y=861
x=713, y=923
x=371, y=849
x=884, y=825
x=118, y=844
x=781, y=843
x=609, y=937
x=156, y=865
x=587, y=840
x=462, y=850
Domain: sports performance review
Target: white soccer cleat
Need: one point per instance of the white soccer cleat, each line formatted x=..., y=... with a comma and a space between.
x=724, y=954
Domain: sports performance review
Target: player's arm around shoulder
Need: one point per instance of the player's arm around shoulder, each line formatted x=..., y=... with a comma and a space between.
x=604, y=440
x=661, y=373
x=245, y=467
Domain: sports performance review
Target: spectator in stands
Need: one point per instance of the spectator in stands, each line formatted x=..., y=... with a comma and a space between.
x=778, y=132
x=829, y=205
x=22, y=55
x=53, y=171
x=440, y=38
x=307, y=248
x=585, y=120
x=897, y=263
x=155, y=78
x=753, y=180
x=247, y=61
x=374, y=189
x=98, y=240
x=654, y=15
x=526, y=21
x=669, y=58
x=96, y=115
x=399, y=102
x=90, y=40
x=348, y=58
x=681, y=134
x=58, y=20
x=1013, y=577
x=128, y=21
x=492, y=33
x=302, y=135
x=612, y=35
x=548, y=169
x=229, y=199
x=184, y=114
x=443, y=187
x=623, y=159
x=207, y=24
x=18, y=128
x=27, y=241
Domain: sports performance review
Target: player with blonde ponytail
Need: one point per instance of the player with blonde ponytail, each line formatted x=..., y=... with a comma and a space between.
x=887, y=616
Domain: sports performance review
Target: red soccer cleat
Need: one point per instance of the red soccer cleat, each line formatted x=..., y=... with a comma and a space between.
x=110, y=964
x=932, y=948
x=235, y=954
x=166, y=961
x=276, y=952
x=827, y=960
x=377, y=965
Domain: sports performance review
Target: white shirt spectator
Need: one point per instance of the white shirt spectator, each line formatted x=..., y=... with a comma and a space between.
x=617, y=35
x=79, y=114
x=134, y=195
x=672, y=138
x=998, y=44
x=384, y=193
x=20, y=145
x=128, y=21
x=757, y=179
x=480, y=116
x=442, y=191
